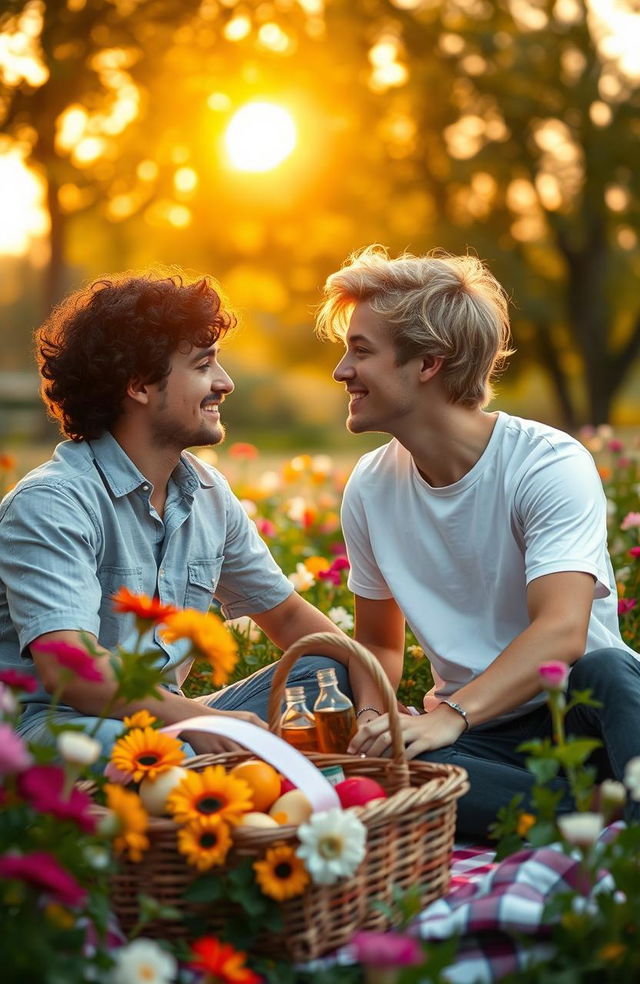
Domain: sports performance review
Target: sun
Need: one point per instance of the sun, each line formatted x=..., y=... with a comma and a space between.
x=260, y=136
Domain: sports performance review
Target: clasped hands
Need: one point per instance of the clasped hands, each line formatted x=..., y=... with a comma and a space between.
x=420, y=733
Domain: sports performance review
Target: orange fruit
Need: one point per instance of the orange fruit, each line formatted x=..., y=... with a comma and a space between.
x=262, y=779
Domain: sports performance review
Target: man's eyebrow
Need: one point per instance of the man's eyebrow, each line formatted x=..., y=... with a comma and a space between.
x=356, y=339
x=203, y=354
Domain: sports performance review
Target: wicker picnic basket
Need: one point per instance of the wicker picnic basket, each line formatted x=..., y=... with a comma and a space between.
x=409, y=839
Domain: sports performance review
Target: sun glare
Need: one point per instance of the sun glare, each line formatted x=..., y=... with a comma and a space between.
x=21, y=201
x=260, y=136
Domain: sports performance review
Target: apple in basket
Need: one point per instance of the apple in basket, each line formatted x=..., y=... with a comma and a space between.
x=358, y=790
x=154, y=792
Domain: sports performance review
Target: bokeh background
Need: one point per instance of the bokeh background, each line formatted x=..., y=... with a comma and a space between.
x=262, y=142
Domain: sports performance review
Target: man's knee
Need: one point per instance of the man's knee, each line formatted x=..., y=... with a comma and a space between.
x=602, y=667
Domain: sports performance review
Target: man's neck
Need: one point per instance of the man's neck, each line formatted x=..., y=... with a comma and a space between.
x=448, y=446
x=156, y=464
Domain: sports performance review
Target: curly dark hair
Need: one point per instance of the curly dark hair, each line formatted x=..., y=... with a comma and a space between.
x=115, y=330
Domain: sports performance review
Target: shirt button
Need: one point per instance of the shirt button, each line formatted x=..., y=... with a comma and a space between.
x=161, y=573
x=145, y=488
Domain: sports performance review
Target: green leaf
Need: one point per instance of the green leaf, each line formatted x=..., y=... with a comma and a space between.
x=577, y=750
x=207, y=888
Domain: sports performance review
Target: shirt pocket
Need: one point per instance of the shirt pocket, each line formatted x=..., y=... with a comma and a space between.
x=115, y=626
x=202, y=581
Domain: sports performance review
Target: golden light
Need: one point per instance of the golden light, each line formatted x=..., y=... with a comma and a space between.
x=21, y=205
x=260, y=136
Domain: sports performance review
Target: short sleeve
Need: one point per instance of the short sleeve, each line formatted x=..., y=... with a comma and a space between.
x=250, y=580
x=562, y=510
x=365, y=578
x=48, y=547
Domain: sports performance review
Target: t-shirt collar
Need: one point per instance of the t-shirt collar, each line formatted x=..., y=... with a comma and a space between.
x=123, y=477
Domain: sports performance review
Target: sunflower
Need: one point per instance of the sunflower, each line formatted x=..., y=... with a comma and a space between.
x=221, y=962
x=281, y=875
x=141, y=719
x=145, y=752
x=132, y=820
x=205, y=842
x=210, y=793
x=141, y=605
x=208, y=635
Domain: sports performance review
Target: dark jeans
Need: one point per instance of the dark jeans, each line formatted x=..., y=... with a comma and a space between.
x=496, y=769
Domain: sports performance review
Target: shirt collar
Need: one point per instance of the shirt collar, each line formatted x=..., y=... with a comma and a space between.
x=122, y=476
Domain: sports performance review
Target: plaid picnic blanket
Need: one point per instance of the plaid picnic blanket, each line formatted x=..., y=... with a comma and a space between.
x=496, y=909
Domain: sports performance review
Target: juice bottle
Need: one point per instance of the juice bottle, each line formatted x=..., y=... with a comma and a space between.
x=334, y=713
x=298, y=726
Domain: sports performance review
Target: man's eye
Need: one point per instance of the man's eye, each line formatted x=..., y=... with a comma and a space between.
x=203, y=367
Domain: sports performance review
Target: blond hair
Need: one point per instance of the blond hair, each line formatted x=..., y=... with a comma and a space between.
x=434, y=305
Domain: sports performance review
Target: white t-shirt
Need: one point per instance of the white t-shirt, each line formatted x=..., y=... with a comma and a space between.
x=458, y=559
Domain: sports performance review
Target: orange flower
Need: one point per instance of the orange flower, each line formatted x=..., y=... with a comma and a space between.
x=281, y=875
x=221, y=962
x=8, y=462
x=210, y=793
x=132, y=821
x=141, y=605
x=205, y=842
x=209, y=635
x=244, y=451
x=525, y=823
x=141, y=719
x=145, y=752
x=316, y=564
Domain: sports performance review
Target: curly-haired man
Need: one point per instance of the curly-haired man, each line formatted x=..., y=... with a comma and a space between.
x=130, y=369
x=486, y=532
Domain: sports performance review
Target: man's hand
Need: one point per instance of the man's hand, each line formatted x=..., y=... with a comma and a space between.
x=421, y=733
x=204, y=743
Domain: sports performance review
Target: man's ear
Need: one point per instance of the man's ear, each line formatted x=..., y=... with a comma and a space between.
x=138, y=390
x=430, y=366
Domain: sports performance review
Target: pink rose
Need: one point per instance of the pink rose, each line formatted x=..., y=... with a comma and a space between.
x=554, y=675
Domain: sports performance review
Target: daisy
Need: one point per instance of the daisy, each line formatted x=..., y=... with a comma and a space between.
x=131, y=819
x=143, y=962
x=281, y=875
x=208, y=636
x=221, y=962
x=332, y=845
x=146, y=752
x=205, y=842
x=210, y=793
x=141, y=605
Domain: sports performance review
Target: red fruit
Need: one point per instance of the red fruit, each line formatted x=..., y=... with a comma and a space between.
x=286, y=785
x=358, y=790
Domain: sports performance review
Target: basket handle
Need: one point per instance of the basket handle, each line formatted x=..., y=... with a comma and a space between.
x=329, y=644
x=272, y=749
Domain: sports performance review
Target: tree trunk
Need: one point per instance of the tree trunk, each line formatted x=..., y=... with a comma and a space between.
x=549, y=360
x=54, y=281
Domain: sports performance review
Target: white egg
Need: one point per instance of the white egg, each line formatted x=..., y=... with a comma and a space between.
x=254, y=819
x=295, y=805
x=154, y=793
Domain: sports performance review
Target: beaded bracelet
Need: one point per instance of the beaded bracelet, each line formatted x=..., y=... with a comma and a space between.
x=363, y=709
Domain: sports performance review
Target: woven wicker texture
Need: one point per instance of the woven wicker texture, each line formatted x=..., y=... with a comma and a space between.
x=409, y=838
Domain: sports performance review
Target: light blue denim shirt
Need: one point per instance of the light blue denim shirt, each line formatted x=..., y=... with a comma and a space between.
x=82, y=525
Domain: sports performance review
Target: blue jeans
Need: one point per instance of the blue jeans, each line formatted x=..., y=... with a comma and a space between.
x=489, y=752
x=250, y=694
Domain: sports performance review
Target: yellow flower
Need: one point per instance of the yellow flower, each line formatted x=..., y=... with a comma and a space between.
x=210, y=793
x=59, y=916
x=145, y=752
x=132, y=819
x=525, y=823
x=282, y=875
x=316, y=564
x=208, y=635
x=612, y=952
x=141, y=719
x=205, y=842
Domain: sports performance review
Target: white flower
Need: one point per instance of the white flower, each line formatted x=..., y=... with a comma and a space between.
x=78, y=748
x=296, y=508
x=97, y=857
x=582, y=829
x=332, y=845
x=302, y=579
x=246, y=627
x=143, y=962
x=269, y=482
x=612, y=793
x=8, y=702
x=342, y=618
x=632, y=777
x=249, y=507
x=321, y=464
x=623, y=573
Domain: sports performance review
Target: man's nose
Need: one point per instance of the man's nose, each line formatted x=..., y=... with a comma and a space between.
x=344, y=370
x=223, y=383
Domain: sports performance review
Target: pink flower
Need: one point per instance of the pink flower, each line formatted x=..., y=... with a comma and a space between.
x=333, y=573
x=554, y=674
x=18, y=680
x=338, y=548
x=625, y=605
x=42, y=786
x=72, y=658
x=117, y=775
x=14, y=755
x=635, y=551
x=616, y=446
x=265, y=526
x=386, y=949
x=43, y=871
x=630, y=521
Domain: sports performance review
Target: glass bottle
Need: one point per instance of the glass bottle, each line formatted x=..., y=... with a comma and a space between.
x=298, y=726
x=334, y=713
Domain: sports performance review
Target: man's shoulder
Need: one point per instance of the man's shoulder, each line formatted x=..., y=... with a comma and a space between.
x=70, y=468
x=532, y=436
x=383, y=460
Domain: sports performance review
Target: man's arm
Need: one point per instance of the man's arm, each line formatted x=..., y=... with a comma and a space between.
x=92, y=698
x=559, y=607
